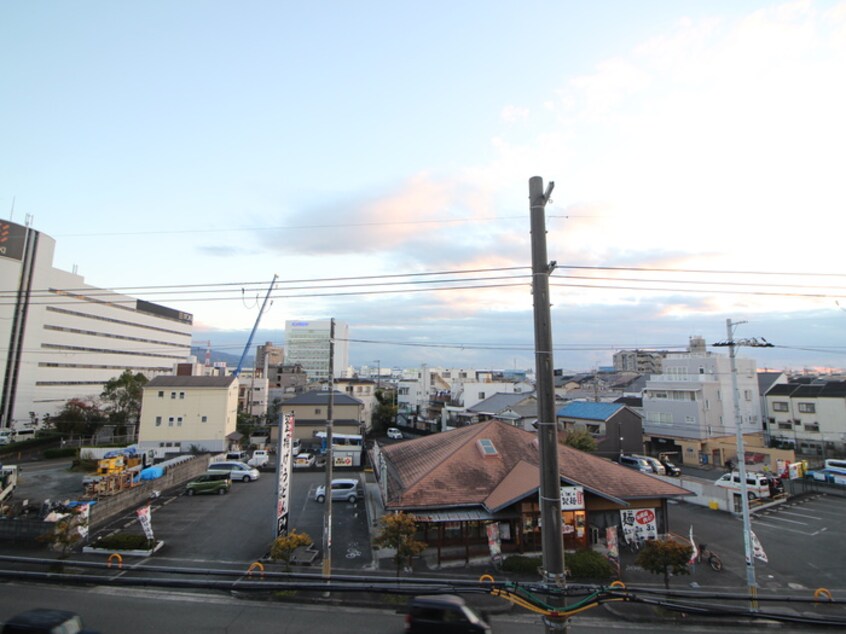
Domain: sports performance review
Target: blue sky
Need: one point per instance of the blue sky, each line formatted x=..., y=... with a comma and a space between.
x=206, y=146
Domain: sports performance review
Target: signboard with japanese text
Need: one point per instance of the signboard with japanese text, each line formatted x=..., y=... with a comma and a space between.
x=572, y=498
x=639, y=524
x=144, y=519
x=12, y=238
x=284, y=467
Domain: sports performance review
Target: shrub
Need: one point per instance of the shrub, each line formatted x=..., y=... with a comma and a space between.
x=123, y=541
x=522, y=564
x=588, y=564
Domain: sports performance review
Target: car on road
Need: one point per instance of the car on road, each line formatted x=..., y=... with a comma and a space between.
x=236, y=470
x=394, y=433
x=46, y=621
x=757, y=484
x=442, y=614
x=344, y=489
x=303, y=460
x=671, y=468
x=216, y=482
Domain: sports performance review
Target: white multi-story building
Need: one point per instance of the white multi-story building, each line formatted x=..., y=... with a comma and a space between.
x=692, y=400
x=62, y=338
x=307, y=344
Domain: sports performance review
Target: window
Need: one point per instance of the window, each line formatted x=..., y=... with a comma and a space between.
x=173, y=395
x=161, y=393
x=807, y=408
x=779, y=406
x=170, y=421
x=204, y=419
x=317, y=410
x=747, y=394
x=182, y=395
x=179, y=421
x=815, y=427
x=481, y=395
x=785, y=425
x=158, y=421
x=592, y=429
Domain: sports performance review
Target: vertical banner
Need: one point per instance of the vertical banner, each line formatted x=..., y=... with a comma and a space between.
x=611, y=540
x=144, y=519
x=283, y=470
x=494, y=543
x=757, y=549
x=694, y=554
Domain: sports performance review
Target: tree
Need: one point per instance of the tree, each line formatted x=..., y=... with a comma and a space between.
x=122, y=397
x=662, y=556
x=580, y=439
x=284, y=546
x=385, y=413
x=397, y=532
x=78, y=417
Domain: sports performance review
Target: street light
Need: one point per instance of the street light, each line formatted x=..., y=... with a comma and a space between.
x=732, y=344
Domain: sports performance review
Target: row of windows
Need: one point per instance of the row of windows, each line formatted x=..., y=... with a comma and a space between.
x=108, y=335
x=177, y=420
x=94, y=300
x=92, y=366
x=53, y=346
x=172, y=394
x=804, y=408
x=76, y=313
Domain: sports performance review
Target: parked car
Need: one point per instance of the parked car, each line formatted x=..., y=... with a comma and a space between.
x=657, y=466
x=633, y=462
x=236, y=470
x=394, y=433
x=442, y=614
x=671, y=469
x=757, y=484
x=303, y=460
x=216, y=482
x=241, y=456
x=46, y=621
x=347, y=489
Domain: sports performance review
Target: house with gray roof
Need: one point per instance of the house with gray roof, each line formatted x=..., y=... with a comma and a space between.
x=616, y=428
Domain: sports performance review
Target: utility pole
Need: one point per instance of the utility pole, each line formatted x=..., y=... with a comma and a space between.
x=550, y=478
x=327, y=517
x=741, y=454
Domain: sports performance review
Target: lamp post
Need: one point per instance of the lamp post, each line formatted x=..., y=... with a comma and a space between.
x=732, y=344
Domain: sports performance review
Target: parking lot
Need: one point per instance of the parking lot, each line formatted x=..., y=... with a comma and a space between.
x=240, y=526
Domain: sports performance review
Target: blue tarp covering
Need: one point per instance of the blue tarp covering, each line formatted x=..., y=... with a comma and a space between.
x=152, y=473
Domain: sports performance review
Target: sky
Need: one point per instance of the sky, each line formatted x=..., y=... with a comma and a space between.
x=376, y=157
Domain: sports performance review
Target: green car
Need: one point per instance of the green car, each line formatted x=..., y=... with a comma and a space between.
x=209, y=483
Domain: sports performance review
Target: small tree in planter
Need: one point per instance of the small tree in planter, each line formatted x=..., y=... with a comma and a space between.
x=283, y=547
x=398, y=531
x=662, y=556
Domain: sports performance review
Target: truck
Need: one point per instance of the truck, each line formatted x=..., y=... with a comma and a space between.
x=8, y=480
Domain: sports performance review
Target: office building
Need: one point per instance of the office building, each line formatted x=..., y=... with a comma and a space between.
x=61, y=338
x=307, y=343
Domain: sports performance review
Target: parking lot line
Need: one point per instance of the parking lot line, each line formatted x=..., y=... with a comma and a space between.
x=805, y=515
x=783, y=519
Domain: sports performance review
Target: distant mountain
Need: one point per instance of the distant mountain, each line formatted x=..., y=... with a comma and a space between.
x=231, y=360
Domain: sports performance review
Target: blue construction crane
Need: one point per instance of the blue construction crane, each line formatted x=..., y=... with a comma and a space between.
x=255, y=327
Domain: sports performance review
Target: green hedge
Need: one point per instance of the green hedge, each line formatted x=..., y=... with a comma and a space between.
x=60, y=452
x=588, y=564
x=582, y=564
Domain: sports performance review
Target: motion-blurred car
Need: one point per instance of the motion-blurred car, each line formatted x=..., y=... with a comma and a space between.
x=236, y=470
x=394, y=433
x=46, y=621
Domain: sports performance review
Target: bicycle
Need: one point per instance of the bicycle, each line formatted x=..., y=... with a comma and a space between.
x=710, y=557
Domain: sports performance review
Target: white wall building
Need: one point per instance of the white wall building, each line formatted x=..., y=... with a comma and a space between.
x=61, y=338
x=182, y=412
x=307, y=343
x=693, y=397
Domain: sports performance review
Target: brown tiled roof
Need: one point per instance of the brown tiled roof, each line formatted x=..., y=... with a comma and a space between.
x=450, y=470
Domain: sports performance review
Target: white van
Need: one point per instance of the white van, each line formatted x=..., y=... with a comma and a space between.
x=757, y=484
x=5, y=436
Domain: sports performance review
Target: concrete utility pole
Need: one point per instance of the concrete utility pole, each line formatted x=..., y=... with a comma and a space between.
x=741, y=454
x=550, y=478
x=327, y=518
